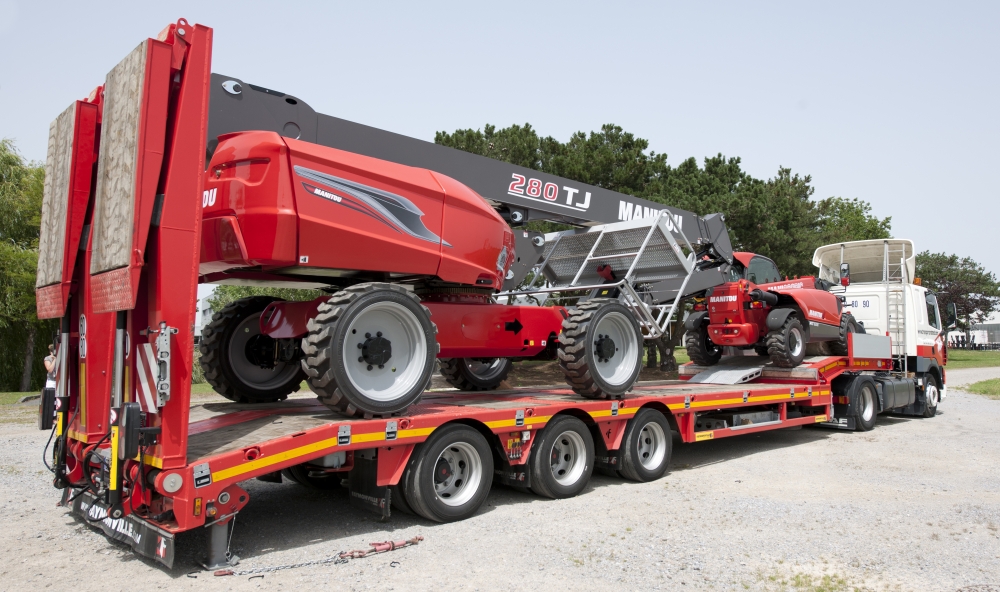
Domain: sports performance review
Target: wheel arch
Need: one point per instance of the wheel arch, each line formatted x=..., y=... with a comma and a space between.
x=658, y=406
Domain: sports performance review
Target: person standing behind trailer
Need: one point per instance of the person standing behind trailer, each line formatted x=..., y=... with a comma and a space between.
x=50, y=368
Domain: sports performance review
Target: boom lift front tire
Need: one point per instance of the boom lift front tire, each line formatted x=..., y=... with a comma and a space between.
x=848, y=324
x=787, y=344
x=370, y=350
x=646, y=447
x=700, y=348
x=600, y=349
x=227, y=344
x=474, y=374
x=449, y=475
x=562, y=460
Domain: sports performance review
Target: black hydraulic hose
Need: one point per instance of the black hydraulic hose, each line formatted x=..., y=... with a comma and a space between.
x=45, y=451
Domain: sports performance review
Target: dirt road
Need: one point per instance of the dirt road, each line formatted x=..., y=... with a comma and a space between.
x=912, y=505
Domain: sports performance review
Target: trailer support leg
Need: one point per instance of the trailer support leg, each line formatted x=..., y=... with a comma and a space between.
x=218, y=547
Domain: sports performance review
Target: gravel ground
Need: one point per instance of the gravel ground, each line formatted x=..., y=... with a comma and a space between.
x=912, y=505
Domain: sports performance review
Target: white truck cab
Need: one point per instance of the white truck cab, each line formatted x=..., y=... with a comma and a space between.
x=876, y=280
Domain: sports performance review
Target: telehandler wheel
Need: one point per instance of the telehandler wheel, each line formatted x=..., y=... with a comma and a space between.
x=562, y=460
x=449, y=475
x=370, y=350
x=646, y=447
x=761, y=350
x=848, y=324
x=600, y=349
x=787, y=345
x=700, y=348
x=475, y=374
x=232, y=349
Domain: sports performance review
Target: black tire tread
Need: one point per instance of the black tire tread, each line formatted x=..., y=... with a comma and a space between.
x=777, y=344
x=573, y=349
x=455, y=374
x=697, y=350
x=629, y=468
x=839, y=347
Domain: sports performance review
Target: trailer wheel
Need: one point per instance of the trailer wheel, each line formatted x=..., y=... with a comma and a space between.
x=600, y=349
x=932, y=395
x=848, y=324
x=370, y=350
x=562, y=460
x=865, y=403
x=646, y=447
x=475, y=374
x=450, y=474
x=787, y=345
x=700, y=348
x=229, y=346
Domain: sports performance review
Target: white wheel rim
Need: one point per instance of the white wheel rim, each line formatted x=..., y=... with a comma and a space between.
x=652, y=446
x=458, y=471
x=568, y=458
x=405, y=367
x=867, y=403
x=485, y=369
x=251, y=374
x=618, y=369
x=933, y=395
x=795, y=342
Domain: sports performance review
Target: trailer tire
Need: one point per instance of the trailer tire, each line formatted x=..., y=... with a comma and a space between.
x=598, y=333
x=700, y=348
x=787, y=344
x=932, y=394
x=562, y=459
x=472, y=374
x=345, y=377
x=224, y=359
x=450, y=474
x=646, y=447
x=865, y=399
x=848, y=324
x=398, y=500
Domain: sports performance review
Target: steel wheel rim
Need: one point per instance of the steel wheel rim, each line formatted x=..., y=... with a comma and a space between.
x=405, y=367
x=652, y=446
x=619, y=368
x=249, y=373
x=933, y=395
x=867, y=403
x=485, y=370
x=568, y=458
x=795, y=342
x=465, y=473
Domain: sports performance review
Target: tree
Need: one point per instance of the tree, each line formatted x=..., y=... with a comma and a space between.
x=963, y=282
x=21, y=352
x=225, y=295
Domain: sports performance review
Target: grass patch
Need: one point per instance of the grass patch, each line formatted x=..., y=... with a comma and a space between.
x=11, y=398
x=960, y=358
x=989, y=388
x=804, y=582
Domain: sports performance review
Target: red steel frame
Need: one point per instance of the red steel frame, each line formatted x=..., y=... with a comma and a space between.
x=163, y=280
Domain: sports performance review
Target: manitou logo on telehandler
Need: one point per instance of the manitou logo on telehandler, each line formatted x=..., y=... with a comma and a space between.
x=208, y=197
x=629, y=211
x=722, y=299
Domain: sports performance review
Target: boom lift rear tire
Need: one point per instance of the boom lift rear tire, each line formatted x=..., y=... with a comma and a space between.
x=646, y=447
x=474, y=374
x=848, y=324
x=600, y=349
x=700, y=348
x=449, y=475
x=370, y=350
x=226, y=344
x=562, y=460
x=787, y=344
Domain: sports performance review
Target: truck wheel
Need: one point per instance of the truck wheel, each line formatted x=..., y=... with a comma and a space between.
x=865, y=401
x=700, y=348
x=475, y=374
x=787, y=345
x=932, y=395
x=562, y=460
x=646, y=446
x=848, y=324
x=600, y=349
x=370, y=350
x=232, y=350
x=450, y=474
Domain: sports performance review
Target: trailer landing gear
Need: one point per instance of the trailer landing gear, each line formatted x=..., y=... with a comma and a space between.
x=219, y=557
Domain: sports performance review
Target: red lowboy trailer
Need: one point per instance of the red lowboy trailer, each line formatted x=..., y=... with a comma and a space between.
x=122, y=244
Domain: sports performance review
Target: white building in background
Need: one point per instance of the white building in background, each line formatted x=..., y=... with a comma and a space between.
x=988, y=332
x=203, y=312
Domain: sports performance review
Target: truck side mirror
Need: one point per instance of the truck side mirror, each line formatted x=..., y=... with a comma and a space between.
x=952, y=321
x=845, y=274
x=129, y=426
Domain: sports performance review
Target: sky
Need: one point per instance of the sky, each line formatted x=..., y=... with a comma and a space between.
x=895, y=103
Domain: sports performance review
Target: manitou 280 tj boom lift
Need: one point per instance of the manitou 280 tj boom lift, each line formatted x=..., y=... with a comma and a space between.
x=167, y=175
